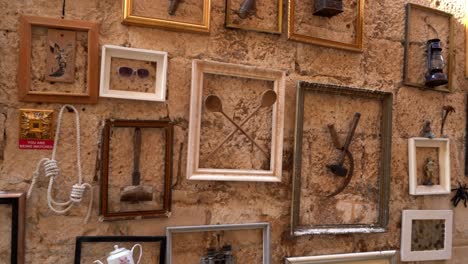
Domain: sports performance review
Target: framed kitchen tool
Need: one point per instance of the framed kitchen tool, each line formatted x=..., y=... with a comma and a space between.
x=330, y=23
x=255, y=15
x=136, y=171
x=377, y=257
x=424, y=24
x=187, y=15
x=426, y=235
x=341, y=132
x=12, y=222
x=58, y=60
x=239, y=243
x=144, y=249
x=137, y=74
x=247, y=146
x=429, y=166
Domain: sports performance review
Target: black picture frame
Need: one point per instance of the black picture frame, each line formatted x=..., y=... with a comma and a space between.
x=18, y=216
x=97, y=239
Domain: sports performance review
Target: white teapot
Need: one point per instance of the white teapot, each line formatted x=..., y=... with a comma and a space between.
x=122, y=256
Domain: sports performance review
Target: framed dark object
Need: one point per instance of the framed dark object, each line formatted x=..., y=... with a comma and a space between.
x=422, y=24
x=466, y=140
x=33, y=49
x=255, y=15
x=365, y=210
x=152, y=196
x=159, y=241
x=16, y=203
x=342, y=31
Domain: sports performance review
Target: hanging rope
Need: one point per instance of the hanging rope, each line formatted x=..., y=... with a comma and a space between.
x=52, y=170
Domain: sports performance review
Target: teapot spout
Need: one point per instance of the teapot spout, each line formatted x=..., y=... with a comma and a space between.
x=98, y=262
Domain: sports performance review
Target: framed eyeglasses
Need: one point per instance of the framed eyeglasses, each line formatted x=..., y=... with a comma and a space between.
x=129, y=72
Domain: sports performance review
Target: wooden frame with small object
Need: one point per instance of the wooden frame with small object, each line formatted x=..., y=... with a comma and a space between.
x=168, y=128
x=409, y=216
x=443, y=147
x=230, y=22
x=17, y=201
x=199, y=68
x=382, y=257
x=25, y=64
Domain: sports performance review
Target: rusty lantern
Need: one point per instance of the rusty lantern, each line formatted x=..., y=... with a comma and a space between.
x=435, y=75
x=328, y=8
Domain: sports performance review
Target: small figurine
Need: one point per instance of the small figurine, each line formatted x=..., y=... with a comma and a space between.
x=461, y=194
x=427, y=131
x=446, y=110
x=429, y=171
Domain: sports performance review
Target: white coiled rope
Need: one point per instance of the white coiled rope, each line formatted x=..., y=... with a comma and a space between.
x=52, y=170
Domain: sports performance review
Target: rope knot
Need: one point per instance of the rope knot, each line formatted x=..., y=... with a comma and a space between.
x=51, y=168
x=77, y=192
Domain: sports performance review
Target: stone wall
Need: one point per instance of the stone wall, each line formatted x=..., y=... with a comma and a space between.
x=50, y=238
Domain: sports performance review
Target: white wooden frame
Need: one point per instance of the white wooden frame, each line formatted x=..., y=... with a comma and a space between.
x=160, y=57
x=200, y=67
x=406, y=233
x=389, y=255
x=443, y=145
x=208, y=228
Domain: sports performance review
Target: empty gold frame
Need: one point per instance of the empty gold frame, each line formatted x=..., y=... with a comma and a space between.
x=132, y=19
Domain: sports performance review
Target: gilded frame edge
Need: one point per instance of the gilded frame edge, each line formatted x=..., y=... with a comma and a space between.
x=409, y=7
x=357, y=46
x=204, y=27
x=279, y=29
x=389, y=255
x=384, y=177
x=17, y=200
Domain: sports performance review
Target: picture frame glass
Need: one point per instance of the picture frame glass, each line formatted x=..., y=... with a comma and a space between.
x=6, y=215
x=133, y=75
x=427, y=234
x=428, y=166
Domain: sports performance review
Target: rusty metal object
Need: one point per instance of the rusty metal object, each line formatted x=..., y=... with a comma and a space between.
x=446, y=110
x=247, y=9
x=173, y=4
x=427, y=130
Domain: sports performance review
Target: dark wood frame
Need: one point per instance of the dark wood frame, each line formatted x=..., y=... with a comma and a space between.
x=449, y=60
x=97, y=239
x=18, y=217
x=166, y=210
x=24, y=65
x=386, y=99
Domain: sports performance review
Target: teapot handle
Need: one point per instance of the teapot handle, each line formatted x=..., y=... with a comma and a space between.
x=141, y=252
x=98, y=261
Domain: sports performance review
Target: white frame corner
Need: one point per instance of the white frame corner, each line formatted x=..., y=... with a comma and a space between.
x=160, y=57
x=443, y=144
x=389, y=255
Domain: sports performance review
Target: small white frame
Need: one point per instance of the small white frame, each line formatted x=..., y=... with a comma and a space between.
x=406, y=235
x=353, y=258
x=112, y=51
x=443, y=146
x=227, y=227
x=199, y=68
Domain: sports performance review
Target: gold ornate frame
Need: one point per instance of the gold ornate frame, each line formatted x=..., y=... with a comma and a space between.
x=278, y=30
x=130, y=19
x=356, y=46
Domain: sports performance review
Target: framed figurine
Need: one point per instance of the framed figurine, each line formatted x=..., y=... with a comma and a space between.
x=256, y=15
x=12, y=219
x=377, y=257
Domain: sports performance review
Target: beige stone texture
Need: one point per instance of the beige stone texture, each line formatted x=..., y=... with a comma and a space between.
x=50, y=238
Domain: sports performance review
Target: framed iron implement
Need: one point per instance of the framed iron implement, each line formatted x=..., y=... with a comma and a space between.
x=106, y=244
x=426, y=235
x=382, y=257
x=59, y=43
x=255, y=15
x=424, y=24
x=271, y=92
x=13, y=206
x=370, y=207
x=190, y=15
x=146, y=194
x=308, y=28
x=265, y=227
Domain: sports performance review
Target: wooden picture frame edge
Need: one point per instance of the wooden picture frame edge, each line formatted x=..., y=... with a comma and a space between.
x=222, y=227
x=167, y=200
x=199, y=67
x=18, y=221
x=384, y=177
x=279, y=29
x=354, y=47
x=389, y=255
x=129, y=19
x=24, y=60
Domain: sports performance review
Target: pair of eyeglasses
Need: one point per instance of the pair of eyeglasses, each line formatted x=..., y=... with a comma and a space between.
x=128, y=72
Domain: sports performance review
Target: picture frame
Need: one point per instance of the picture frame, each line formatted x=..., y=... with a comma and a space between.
x=158, y=57
x=80, y=240
x=36, y=129
x=410, y=9
x=172, y=24
x=443, y=147
x=385, y=100
x=25, y=61
x=165, y=211
x=229, y=22
x=388, y=256
x=356, y=46
x=407, y=231
x=225, y=227
x=17, y=201
x=199, y=68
